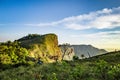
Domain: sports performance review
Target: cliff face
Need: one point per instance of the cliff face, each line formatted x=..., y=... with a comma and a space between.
x=44, y=47
x=68, y=54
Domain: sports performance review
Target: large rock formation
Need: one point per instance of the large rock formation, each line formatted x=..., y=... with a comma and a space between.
x=44, y=47
x=67, y=52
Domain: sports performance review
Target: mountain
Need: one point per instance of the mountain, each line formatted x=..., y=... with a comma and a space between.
x=87, y=50
x=111, y=57
x=43, y=47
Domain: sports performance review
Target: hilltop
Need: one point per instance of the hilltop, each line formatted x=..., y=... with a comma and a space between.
x=43, y=47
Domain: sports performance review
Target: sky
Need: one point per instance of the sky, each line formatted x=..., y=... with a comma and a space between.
x=94, y=22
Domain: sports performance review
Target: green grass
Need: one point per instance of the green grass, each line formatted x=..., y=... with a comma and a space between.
x=95, y=68
x=111, y=57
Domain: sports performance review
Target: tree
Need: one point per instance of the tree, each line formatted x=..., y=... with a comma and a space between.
x=75, y=58
x=65, y=48
x=82, y=55
x=12, y=53
x=5, y=59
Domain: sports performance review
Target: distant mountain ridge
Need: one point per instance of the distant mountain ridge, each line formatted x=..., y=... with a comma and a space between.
x=87, y=50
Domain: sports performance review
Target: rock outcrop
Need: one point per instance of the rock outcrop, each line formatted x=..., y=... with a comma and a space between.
x=43, y=47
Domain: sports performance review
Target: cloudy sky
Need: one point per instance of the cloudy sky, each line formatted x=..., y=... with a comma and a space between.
x=95, y=22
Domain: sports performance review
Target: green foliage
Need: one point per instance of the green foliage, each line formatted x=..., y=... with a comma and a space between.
x=102, y=67
x=65, y=70
x=75, y=58
x=11, y=53
x=101, y=70
x=114, y=72
x=5, y=59
x=30, y=63
x=29, y=36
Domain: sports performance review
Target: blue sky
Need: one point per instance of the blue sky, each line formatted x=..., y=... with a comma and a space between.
x=95, y=22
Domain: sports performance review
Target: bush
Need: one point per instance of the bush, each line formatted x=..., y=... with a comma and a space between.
x=114, y=72
x=75, y=58
x=101, y=69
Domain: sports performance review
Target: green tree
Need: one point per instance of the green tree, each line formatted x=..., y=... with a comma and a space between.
x=75, y=58
x=5, y=59
x=101, y=70
x=12, y=53
x=82, y=55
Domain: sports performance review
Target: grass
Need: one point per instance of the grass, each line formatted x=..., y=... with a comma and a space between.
x=95, y=68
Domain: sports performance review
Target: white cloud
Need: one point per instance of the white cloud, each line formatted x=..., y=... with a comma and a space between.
x=106, y=18
x=101, y=35
x=108, y=39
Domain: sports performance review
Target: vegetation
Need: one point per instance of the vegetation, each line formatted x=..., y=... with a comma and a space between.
x=16, y=62
x=84, y=69
x=75, y=58
x=12, y=54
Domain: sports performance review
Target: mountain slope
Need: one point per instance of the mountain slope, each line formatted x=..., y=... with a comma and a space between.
x=94, y=68
x=44, y=47
x=87, y=50
x=111, y=57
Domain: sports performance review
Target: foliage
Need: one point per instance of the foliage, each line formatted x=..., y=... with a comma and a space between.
x=114, y=72
x=101, y=69
x=75, y=58
x=11, y=53
x=65, y=70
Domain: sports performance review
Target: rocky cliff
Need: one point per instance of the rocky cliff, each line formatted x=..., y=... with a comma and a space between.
x=43, y=47
x=67, y=52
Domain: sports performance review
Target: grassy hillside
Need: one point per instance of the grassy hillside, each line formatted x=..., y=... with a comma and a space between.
x=95, y=68
x=111, y=57
x=43, y=47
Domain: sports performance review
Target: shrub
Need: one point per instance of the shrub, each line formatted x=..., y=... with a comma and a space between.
x=114, y=72
x=101, y=69
x=75, y=58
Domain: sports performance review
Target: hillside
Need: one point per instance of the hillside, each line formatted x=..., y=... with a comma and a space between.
x=43, y=47
x=111, y=57
x=87, y=50
x=94, y=68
